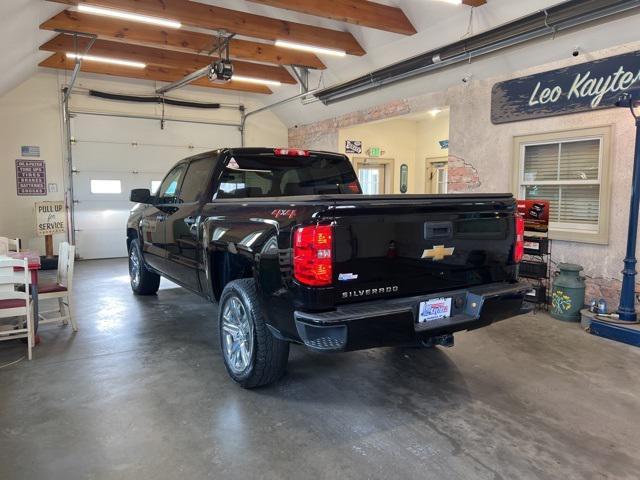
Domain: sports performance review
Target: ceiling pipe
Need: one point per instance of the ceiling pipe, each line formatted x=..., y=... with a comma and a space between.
x=562, y=17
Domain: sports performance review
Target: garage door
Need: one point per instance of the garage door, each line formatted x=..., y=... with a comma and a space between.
x=112, y=155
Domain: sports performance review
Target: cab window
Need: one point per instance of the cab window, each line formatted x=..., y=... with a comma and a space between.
x=196, y=180
x=168, y=191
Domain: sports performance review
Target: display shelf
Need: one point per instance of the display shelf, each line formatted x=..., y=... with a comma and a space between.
x=536, y=267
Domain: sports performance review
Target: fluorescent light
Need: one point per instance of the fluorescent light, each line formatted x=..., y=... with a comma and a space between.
x=259, y=81
x=309, y=48
x=134, y=17
x=113, y=61
x=435, y=112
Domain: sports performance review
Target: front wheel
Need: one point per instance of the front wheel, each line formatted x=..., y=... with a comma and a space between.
x=143, y=281
x=252, y=355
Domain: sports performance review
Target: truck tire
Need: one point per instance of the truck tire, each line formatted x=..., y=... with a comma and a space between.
x=252, y=356
x=143, y=280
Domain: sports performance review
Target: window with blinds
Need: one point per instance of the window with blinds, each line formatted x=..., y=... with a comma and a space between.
x=568, y=174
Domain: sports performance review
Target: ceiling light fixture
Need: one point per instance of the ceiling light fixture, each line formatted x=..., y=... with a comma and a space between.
x=112, y=61
x=259, y=81
x=453, y=2
x=134, y=17
x=435, y=112
x=310, y=48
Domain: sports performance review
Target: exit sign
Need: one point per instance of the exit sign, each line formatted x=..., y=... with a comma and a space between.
x=374, y=152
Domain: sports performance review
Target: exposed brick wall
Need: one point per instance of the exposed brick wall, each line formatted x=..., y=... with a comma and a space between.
x=324, y=134
x=607, y=288
x=462, y=176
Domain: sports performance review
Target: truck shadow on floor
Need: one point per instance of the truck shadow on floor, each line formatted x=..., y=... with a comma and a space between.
x=376, y=377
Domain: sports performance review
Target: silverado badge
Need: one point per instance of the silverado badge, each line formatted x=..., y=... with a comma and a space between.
x=438, y=252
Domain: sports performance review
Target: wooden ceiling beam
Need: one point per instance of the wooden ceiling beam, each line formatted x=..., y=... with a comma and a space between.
x=151, y=72
x=179, y=40
x=358, y=12
x=210, y=17
x=163, y=58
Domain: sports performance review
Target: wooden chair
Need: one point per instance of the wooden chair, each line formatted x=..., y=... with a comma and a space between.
x=61, y=289
x=14, y=244
x=9, y=245
x=15, y=303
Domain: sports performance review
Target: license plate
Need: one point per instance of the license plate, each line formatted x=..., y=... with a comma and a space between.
x=434, y=309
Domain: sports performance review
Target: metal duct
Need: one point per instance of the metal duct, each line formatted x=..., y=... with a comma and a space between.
x=564, y=16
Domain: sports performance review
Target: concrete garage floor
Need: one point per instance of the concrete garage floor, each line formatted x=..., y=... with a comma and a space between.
x=141, y=392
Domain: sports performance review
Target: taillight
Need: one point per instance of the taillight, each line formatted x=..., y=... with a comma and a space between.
x=291, y=152
x=518, y=249
x=312, y=255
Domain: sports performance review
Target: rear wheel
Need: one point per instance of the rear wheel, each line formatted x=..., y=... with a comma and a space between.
x=252, y=355
x=143, y=281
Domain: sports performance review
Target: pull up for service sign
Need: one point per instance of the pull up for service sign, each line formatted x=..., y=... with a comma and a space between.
x=50, y=218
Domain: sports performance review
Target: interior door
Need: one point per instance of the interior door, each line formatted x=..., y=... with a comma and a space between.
x=437, y=175
x=372, y=178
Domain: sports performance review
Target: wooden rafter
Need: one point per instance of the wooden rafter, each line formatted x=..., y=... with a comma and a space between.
x=163, y=58
x=151, y=72
x=359, y=12
x=210, y=17
x=180, y=40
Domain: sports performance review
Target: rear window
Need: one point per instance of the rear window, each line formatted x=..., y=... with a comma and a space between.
x=254, y=176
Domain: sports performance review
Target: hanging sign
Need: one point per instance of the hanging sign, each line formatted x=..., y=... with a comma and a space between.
x=579, y=88
x=50, y=218
x=31, y=177
x=353, y=146
x=29, y=151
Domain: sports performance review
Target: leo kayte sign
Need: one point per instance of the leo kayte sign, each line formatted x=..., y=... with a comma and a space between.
x=50, y=218
x=579, y=88
x=31, y=177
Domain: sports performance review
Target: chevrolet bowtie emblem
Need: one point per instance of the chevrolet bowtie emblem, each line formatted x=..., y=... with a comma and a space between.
x=438, y=252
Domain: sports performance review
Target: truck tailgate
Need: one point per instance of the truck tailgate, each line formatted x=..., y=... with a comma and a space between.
x=399, y=245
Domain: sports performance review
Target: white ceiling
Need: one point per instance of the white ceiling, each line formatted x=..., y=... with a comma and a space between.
x=438, y=23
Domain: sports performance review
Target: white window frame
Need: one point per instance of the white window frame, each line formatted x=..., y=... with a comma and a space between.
x=571, y=231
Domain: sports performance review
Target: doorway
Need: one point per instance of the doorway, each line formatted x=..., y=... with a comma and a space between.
x=437, y=175
x=375, y=175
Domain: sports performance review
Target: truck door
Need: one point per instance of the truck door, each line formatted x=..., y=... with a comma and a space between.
x=181, y=223
x=153, y=221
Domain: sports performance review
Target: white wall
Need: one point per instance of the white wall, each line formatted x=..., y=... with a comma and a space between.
x=30, y=115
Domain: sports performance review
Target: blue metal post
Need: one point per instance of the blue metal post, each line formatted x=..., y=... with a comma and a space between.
x=627, y=308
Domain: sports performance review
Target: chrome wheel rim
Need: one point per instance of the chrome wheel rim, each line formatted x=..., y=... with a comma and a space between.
x=237, y=335
x=134, y=268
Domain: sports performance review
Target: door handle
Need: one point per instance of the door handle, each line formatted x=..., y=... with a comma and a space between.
x=191, y=222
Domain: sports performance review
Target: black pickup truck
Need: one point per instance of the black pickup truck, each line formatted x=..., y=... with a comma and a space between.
x=292, y=251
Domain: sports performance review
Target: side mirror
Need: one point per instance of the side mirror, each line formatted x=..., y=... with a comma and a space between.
x=140, y=195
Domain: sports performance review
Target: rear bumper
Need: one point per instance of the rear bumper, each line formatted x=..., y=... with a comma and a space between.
x=393, y=321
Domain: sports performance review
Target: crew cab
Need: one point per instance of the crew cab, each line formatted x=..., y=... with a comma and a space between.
x=292, y=251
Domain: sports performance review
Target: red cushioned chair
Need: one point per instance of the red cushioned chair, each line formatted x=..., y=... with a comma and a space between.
x=15, y=303
x=60, y=289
